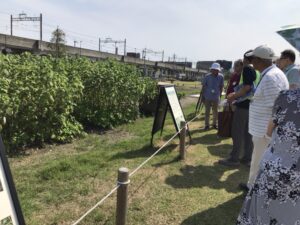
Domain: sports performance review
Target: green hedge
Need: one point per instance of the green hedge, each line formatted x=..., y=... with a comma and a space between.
x=37, y=100
x=111, y=94
x=44, y=99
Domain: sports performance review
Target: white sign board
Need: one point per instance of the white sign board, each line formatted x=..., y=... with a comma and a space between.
x=175, y=106
x=7, y=212
x=10, y=211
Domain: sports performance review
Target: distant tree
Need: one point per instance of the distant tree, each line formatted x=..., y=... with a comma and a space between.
x=58, y=42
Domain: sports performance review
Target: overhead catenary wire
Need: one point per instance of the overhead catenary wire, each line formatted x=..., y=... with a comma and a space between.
x=81, y=35
x=77, y=34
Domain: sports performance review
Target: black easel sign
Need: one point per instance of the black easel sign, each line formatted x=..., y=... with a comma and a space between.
x=10, y=210
x=167, y=100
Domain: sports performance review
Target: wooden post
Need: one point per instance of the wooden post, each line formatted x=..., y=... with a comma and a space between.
x=11, y=25
x=182, y=140
x=122, y=195
x=41, y=31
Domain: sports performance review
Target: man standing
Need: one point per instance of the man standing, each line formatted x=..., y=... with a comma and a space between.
x=212, y=87
x=241, y=139
x=287, y=63
x=235, y=77
x=272, y=81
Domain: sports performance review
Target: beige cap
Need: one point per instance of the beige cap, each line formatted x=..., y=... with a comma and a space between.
x=263, y=52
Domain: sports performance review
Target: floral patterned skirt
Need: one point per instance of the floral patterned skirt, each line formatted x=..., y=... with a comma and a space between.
x=274, y=198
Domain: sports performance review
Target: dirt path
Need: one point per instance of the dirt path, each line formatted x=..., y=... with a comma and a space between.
x=187, y=100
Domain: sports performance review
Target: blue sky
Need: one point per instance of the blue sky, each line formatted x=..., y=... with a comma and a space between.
x=195, y=29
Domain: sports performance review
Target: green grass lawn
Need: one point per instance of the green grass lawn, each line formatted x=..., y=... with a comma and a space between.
x=188, y=87
x=56, y=185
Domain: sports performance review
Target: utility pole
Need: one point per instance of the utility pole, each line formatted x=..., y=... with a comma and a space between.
x=80, y=48
x=24, y=17
x=75, y=43
x=145, y=51
x=125, y=47
x=41, y=29
x=109, y=40
x=174, y=65
x=144, y=54
x=99, y=45
x=144, y=58
x=11, y=25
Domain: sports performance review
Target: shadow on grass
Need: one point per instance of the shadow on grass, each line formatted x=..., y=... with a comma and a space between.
x=220, y=150
x=167, y=137
x=208, y=139
x=225, y=213
x=206, y=176
x=143, y=152
x=147, y=178
x=200, y=130
x=174, y=160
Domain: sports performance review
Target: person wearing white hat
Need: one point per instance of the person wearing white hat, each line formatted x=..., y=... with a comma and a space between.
x=212, y=86
x=272, y=81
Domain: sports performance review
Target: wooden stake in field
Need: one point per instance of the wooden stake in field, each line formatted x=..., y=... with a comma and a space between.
x=182, y=140
x=122, y=196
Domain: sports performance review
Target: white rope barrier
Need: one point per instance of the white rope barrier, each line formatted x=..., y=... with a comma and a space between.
x=95, y=206
x=131, y=174
x=200, y=113
x=155, y=153
x=136, y=169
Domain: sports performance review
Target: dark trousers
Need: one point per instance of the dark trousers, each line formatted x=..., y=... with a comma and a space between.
x=240, y=136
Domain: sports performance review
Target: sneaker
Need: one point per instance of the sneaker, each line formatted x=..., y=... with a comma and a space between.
x=215, y=127
x=206, y=128
x=243, y=187
x=228, y=162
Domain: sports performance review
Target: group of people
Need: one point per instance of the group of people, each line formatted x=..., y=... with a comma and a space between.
x=264, y=92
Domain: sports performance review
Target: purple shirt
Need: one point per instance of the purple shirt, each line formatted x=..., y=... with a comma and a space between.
x=233, y=82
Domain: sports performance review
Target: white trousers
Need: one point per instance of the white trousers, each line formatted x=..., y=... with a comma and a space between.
x=260, y=145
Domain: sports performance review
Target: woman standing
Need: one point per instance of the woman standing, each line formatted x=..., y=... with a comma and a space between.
x=274, y=198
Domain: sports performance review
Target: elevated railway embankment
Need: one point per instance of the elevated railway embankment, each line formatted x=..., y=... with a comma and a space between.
x=156, y=69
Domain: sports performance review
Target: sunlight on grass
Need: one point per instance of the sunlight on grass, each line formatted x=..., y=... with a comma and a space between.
x=58, y=184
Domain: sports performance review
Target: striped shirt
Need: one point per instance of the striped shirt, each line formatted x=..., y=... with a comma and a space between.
x=273, y=80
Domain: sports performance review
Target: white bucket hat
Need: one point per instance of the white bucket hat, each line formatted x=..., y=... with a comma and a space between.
x=263, y=52
x=215, y=66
